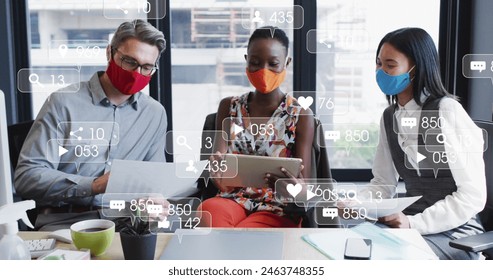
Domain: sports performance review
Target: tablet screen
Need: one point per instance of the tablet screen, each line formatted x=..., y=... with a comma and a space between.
x=249, y=170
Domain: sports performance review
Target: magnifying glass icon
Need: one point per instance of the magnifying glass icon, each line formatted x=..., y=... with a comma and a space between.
x=34, y=79
x=352, y=195
x=442, y=139
x=182, y=141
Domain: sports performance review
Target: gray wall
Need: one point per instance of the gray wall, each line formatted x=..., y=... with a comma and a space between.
x=480, y=89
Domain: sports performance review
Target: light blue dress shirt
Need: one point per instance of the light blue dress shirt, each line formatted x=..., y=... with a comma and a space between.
x=77, y=135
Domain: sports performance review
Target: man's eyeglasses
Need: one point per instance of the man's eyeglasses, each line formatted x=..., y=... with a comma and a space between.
x=131, y=64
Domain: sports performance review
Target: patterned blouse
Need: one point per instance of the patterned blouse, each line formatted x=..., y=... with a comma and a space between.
x=278, y=144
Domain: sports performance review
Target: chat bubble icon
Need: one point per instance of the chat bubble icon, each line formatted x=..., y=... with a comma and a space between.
x=128, y=203
x=478, y=65
x=154, y=208
x=333, y=135
x=426, y=121
x=322, y=216
x=474, y=66
x=173, y=211
x=330, y=212
x=117, y=204
x=348, y=136
x=408, y=122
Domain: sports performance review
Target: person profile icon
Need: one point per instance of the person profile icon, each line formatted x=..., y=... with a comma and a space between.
x=257, y=18
x=191, y=167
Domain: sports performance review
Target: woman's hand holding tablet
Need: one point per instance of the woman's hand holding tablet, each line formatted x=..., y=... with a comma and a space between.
x=250, y=171
x=281, y=187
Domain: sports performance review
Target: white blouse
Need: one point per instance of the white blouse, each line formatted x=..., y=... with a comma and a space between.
x=463, y=138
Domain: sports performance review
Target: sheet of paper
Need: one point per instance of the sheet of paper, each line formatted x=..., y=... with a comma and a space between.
x=386, y=206
x=128, y=176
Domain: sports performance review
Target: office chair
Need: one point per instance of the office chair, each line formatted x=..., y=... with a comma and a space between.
x=17, y=135
x=320, y=169
x=483, y=242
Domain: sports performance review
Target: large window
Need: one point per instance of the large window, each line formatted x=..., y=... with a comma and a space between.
x=68, y=42
x=208, y=42
x=349, y=102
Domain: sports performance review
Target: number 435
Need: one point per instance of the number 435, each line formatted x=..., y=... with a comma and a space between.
x=282, y=17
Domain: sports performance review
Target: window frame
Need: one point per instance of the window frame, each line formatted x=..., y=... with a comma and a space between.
x=15, y=24
x=160, y=87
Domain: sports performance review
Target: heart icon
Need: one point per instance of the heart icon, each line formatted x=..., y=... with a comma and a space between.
x=305, y=102
x=294, y=190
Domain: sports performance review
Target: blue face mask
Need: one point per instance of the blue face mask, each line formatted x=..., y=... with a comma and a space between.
x=392, y=85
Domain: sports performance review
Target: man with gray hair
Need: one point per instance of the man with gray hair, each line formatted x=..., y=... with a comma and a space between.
x=66, y=158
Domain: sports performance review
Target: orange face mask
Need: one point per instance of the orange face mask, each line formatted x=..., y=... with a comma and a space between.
x=265, y=80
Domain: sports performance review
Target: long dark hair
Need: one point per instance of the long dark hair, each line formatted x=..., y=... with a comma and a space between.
x=418, y=46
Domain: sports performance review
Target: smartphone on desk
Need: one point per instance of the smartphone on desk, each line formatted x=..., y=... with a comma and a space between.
x=357, y=249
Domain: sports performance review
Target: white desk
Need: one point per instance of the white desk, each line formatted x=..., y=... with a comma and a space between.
x=294, y=248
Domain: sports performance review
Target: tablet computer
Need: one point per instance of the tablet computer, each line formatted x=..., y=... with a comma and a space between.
x=250, y=170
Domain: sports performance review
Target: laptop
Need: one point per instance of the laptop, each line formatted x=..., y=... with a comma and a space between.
x=225, y=245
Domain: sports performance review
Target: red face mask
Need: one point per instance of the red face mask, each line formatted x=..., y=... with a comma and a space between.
x=265, y=80
x=127, y=82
